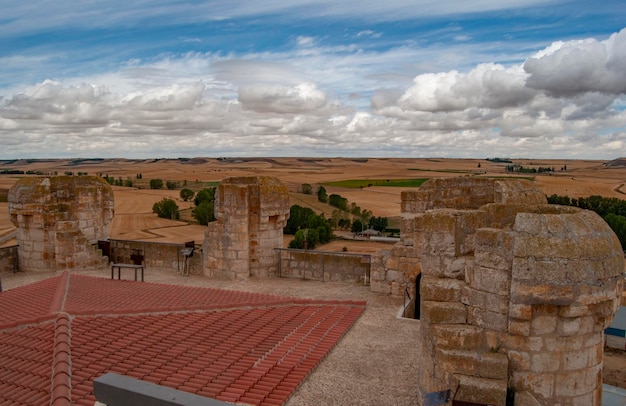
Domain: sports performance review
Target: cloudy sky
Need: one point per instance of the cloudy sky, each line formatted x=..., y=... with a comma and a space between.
x=373, y=78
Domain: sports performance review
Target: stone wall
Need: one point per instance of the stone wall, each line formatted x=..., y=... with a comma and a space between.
x=324, y=266
x=251, y=213
x=158, y=255
x=59, y=220
x=396, y=269
x=8, y=259
x=515, y=296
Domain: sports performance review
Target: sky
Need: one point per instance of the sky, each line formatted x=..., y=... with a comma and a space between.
x=313, y=78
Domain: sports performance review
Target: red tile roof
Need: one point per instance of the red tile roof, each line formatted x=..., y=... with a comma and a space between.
x=59, y=334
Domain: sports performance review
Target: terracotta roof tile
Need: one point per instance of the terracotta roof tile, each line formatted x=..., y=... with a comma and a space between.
x=235, y=346
x=27, y=304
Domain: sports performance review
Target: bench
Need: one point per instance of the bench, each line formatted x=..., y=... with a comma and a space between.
x=129, y=266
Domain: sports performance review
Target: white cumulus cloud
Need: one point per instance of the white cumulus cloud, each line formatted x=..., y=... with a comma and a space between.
x=570, y=68
x=263, y=98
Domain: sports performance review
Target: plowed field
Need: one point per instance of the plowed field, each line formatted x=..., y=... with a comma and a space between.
x=133, y=206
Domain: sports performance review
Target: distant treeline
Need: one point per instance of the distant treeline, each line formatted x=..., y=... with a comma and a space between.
x=611, y=209
x=523, y=169
x=19, y=172
x=500, y=160
x=31, y=172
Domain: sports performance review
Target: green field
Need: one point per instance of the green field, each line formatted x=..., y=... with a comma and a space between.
x=361, y=183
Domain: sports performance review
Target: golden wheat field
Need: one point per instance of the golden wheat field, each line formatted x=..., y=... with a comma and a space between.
x=133, y=205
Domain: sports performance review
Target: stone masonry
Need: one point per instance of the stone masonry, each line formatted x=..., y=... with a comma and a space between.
x=59, y=221
x=394, y=270
x=251, y=213
x=515, y=293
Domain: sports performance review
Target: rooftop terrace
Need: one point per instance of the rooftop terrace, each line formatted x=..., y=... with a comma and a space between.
x=232, y=340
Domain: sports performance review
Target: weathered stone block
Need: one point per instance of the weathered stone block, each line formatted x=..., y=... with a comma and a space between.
x=545, y=362
x=464, y=337
x=519, y=360
x=543, y=324
x=441, y=289
x=568, y=327
x=444, y=312
x=540, y=385
x=472, y=297
x=520, y=311
x=519, y=327
x=575, y=360
x=576, y=383
x=473, y=362
x=480, y=390
x=491, y=280
x=488, y=320
x=525, y=293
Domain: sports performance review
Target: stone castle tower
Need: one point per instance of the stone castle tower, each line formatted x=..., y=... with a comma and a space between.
x=251, y=213
x=59, y=221
x=515, y=294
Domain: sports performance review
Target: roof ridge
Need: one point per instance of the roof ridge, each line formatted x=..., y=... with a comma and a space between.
x=201, y=308
x=61, y=379
x=58, y=302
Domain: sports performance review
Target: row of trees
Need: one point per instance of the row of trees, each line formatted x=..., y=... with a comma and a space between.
x=128, y=182
x=309, y=228
x=363, y=217
x=523, y=169
x=204, y=200
x=611, y=209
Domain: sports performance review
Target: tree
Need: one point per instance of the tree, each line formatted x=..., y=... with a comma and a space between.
x=205, y=195
x=321, y=194
x=341, y=219
x=171, y=185
x=156, y=183
x=357, y=226
x=186, y=194
x=306, y=188
x=379, y=223
x=618, y=225
x=305, y=239
x=322, y=226
x=355, y=209
x=338, y=201
x=298, y=217
x=365, y=216
x=166, y=208
x=204, y=213
x=344, y=223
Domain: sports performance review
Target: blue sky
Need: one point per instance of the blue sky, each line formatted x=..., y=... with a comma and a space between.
x=398, y=78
